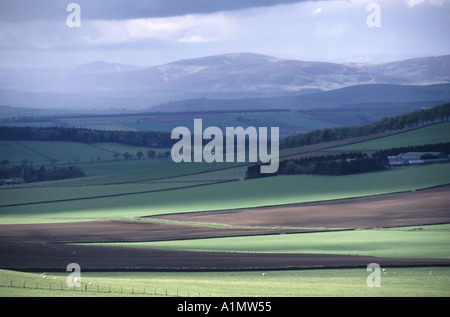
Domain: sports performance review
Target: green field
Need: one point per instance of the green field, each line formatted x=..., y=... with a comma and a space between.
x=279, y=190
x=131, y=189
x=434, y=134
x=94, y=159
x=41, y=152
x=394, y=282
x=430, y=242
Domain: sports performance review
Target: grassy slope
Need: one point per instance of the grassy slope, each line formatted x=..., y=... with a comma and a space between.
x=239, y=194
x=427, y=243
x=395, y=282
x=138, y=178
x=41, y=152
x=438, y=133
x=276, y=190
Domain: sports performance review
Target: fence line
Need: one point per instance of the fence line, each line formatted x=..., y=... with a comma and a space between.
x=100, y=289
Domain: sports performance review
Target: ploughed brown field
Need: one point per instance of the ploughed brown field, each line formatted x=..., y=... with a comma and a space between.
x=42, y=246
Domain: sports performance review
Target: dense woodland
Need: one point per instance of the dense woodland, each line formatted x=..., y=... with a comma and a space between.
x=135, y=138
x=341, y=164
x=439, y=147
x=29, y=173
x=413, y=119
x=345, y=163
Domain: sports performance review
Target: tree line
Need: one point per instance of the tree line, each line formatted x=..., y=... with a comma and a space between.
x=339, y=164
x=438, y=147
x=135, y=138
x=413, y=119
x=344, y=163
x=30, y=174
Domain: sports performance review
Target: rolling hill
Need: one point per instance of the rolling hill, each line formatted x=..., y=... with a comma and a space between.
x=227, y=76
x=379, y=95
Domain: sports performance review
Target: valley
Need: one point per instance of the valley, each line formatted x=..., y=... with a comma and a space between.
x=134, y=210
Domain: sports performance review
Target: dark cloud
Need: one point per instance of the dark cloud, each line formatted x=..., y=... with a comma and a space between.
x=29, y=10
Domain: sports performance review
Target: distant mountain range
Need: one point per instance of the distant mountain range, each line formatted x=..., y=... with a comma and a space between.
x=408, y=97
x=228, y=80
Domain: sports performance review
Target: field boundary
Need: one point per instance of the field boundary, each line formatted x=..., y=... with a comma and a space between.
x=116, y=195
x=97, y=289
x=302, y=203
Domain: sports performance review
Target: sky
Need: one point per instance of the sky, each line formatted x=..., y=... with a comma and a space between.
x=37, y=33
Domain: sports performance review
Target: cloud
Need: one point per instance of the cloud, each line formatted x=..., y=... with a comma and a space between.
x=31, y=10
x=187, y=28
x=413, y=3
x=150, y=32
x=317, y=11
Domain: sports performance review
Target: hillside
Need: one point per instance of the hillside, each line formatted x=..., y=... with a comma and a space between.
x=227, y=76
x=379, y=95
x=418, y=70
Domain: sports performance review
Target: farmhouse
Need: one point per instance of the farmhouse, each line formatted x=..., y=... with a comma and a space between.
x=418, y=158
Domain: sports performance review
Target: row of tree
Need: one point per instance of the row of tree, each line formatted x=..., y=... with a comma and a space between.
x=436, y=114
x=438, y=147
x=345, y=163
x=150, y=154
x=30, y=174
x=135, y=138
x=340, y=164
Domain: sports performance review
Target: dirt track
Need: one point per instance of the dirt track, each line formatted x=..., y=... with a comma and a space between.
x=39, y=245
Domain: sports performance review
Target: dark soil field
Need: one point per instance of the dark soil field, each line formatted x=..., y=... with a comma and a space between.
x=41, y=246
x=431, y=206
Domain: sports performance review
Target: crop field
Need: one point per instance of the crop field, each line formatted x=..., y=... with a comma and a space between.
x=395, y=282
x=42, y=152
x=204, y=230
x=185, y=195
x=423, y=242
x=434, y=134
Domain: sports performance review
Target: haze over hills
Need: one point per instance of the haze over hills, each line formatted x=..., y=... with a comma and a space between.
x=103, y=85
x=405, y=97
